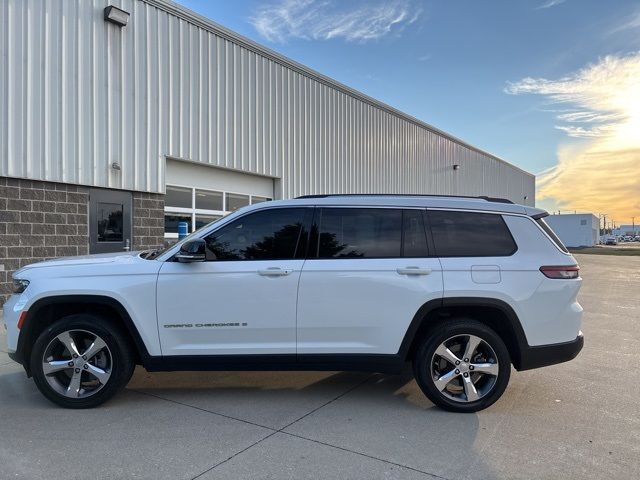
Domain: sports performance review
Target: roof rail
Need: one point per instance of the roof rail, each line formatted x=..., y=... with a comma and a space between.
x=481, y=197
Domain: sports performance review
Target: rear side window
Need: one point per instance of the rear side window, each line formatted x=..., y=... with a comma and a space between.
x=469, y=234
x=545, y=226
x=359, y=233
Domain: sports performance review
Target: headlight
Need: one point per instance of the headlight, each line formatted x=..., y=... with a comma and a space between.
x=19, y=285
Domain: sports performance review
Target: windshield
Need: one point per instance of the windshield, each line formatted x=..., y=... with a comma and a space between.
x=155, y=253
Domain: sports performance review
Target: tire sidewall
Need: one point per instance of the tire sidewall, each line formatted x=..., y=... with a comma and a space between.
x=122, y=363
x=440, y=333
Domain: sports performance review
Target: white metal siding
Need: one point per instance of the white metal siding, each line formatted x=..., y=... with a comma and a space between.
x=572, y=232
x=78, y=93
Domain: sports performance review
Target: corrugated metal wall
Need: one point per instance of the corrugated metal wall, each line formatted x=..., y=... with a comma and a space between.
x=77, y=94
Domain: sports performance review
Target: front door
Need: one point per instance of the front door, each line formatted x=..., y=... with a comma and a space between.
x=109, y=221
x=242, y=301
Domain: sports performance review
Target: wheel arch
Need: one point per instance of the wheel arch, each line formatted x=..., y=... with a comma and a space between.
x=46, y=310
x=495, y=313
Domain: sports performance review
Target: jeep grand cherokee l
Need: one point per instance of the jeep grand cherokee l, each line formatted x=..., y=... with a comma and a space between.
x=461, y=288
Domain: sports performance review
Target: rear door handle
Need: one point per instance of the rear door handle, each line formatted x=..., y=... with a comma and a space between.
x=413, y=271
x=274, y=272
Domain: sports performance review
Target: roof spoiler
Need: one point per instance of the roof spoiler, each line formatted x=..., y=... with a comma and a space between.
x=540, y=215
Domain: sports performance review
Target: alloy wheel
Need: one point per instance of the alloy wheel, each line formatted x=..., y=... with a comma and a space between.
x=77, y=363
x=464, y=368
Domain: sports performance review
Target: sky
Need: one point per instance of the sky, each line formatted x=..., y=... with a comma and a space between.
x=552, y=86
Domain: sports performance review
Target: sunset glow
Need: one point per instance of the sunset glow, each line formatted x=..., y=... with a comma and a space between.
x=598, y=167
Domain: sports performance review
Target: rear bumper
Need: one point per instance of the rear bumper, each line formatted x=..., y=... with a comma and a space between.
x=543, y=355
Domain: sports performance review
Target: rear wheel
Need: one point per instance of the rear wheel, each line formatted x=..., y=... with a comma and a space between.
x=81, y=361
x=462, y=366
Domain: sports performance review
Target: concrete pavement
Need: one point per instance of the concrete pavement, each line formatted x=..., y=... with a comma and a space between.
x=576, y=420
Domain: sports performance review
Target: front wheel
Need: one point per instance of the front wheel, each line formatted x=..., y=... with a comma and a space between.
x=462, y=366
x=81, y=361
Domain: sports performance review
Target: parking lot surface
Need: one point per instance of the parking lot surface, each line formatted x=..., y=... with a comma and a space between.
x=578, y=420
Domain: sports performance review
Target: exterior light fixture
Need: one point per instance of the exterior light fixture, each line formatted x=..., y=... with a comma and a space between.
x=115, y=166
x=116, y=15
x=526, y=197
x=456, y=167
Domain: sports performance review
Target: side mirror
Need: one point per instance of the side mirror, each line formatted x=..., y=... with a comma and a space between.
x=192, y=251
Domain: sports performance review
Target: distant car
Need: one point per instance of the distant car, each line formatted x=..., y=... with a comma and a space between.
x=611, y=241
x=628, y=238
x=636, y=238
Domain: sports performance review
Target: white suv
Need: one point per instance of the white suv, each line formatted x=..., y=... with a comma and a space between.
x=462, y=288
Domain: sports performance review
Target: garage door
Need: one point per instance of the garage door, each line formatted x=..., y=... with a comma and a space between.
x=199, y=194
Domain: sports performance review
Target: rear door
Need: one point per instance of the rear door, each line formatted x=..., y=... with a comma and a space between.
x=368, y=272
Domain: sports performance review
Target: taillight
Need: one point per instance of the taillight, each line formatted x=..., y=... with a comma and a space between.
x=562, y=272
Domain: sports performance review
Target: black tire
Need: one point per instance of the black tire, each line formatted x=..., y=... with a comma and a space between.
x=439, y=334
x=121, y=365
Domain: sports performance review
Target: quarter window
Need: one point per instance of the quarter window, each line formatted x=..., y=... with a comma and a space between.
x=545, y=226
x=469, y=234
x=359, y=233
x=274, y=234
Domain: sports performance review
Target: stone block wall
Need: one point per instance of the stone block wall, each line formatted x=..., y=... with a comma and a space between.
x=38, y=221
x=148, y=220
x=44, y=220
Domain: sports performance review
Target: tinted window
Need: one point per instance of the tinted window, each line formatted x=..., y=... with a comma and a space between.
x=359, y=233
x=464, y=234
x=110, y=222
x=171, y=221
x=178, y=197
x=266, y=235
x=236, y=201
x=207, y=200
x=414, y=236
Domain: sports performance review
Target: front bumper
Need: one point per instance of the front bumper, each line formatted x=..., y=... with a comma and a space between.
x=10, y=315
x=543, y=355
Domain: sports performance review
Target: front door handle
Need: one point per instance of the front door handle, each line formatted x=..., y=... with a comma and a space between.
x=274, y=272
x=413, y=271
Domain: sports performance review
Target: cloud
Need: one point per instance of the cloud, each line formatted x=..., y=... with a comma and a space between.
x=604, y=97
x=599, y=104
x=629, y=24
x=327, y=19
x=550, y=3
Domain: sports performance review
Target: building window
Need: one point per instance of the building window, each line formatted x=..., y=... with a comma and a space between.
x=583, y=222
x=198, y=207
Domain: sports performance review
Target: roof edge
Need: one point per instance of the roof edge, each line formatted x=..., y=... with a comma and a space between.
x=199, y=20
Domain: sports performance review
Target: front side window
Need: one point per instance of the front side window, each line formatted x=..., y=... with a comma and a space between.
x=274, y=234
x=470, y=234
x=359, y=233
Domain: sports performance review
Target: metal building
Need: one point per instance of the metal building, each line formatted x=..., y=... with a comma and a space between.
x=576, y=229
x=106, y=110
